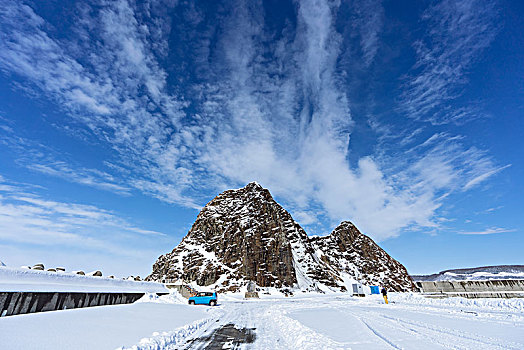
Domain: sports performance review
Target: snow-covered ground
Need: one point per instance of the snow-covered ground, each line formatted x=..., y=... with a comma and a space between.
x=450, y=276
x=509, y=272
x=24, y=280
x=305, y=321
x=101, y=327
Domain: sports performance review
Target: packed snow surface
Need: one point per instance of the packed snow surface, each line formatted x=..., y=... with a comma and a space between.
x=102, y=327
x=304, y=321
x=24, y=280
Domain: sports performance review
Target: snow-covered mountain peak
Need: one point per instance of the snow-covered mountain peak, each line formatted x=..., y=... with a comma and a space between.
x=245, y=235
x=253, y=185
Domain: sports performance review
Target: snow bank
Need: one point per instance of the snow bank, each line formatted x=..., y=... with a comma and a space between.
x=174, y=297
x=170, y=340
x=450, y=276
x=497, y=304
x=22, y=280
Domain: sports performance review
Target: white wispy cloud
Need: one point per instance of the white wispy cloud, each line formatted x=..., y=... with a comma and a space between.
x=457, y=33
x=89, y=177
x=44, y=159
x=482, y=177
x=300, y=152
x=489, y=231
x=491, y=210
x=278, y=113
x=368, y=22
x=443, y=162
x=27, y=217
x=104, y=93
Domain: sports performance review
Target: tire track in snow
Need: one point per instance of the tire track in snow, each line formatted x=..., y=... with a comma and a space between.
x=478, y=340
x=230, y=331
x=276, y=329
x=171, y=340
x=178, y=338
x=288, y=333
x=445, y=337
x=420, y=335
x=379, y=335
x=212, y=327
x=324, y=341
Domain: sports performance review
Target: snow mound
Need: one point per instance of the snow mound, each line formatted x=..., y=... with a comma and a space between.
x=23, y=280
x=476, y=273
x=476, y=276
x=174, y=297
x=495, y=304
x=169, y=340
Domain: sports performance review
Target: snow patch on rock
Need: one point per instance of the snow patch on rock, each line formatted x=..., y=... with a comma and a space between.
x=245, y=235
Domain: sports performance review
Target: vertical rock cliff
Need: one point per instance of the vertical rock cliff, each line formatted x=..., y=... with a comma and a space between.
x=244, y=235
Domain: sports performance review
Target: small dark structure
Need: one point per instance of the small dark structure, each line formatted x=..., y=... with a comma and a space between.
x=251, y=291
x=358, y=290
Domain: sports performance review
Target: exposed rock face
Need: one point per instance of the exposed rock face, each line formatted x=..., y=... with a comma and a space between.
x=347, y=250
x=244, y=235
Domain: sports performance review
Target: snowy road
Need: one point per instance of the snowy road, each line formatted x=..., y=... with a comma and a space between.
x=342, y=322
x=305, y=321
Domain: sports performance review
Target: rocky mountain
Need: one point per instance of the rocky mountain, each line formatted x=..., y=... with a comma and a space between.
x=348, y=251
x=245, y=235
x=476, y=273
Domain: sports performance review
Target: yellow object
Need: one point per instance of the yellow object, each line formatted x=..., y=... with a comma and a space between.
x=386, y=299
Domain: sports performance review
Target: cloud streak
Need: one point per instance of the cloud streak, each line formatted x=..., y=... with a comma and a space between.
x=76, y=235
x=368, y=23
x=457, y=34
x=45, y=160
x=27, y=217
x=88, y=177
x=483, y=177
x=489, y=231
x=250, y=103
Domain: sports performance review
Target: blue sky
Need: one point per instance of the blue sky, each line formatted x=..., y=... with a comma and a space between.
x=120, y=119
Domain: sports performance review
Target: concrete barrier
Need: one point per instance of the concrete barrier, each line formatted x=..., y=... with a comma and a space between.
x=474, y=289
x=16, y=303
x=184, y=290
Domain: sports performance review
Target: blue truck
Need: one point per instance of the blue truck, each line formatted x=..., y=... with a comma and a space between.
x=206, y=298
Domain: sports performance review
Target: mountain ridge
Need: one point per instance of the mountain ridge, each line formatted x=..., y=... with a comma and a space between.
x=245, y=235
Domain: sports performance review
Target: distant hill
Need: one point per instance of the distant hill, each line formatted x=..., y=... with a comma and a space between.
x=475, y=273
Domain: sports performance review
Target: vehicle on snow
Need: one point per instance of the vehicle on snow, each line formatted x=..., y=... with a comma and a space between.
x=206, y=298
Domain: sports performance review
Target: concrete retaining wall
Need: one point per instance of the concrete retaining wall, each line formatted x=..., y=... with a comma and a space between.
x=474, y=289
x=504, y=295
x=184, y=290
x=15, y=303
